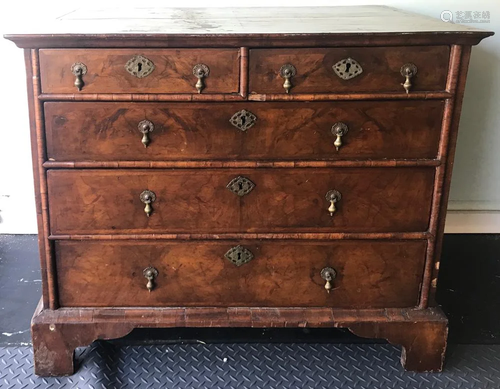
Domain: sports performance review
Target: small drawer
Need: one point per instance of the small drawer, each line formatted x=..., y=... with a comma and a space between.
x=139, y=71
x=361, y=274
x=240, y=200
x=348, y=70
x=85, y=131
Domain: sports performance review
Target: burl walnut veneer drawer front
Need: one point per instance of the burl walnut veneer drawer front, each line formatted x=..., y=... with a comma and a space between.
x=367, y=274
x=140, y=71
x=81, y=131
x=240, y=200
x=348, y=70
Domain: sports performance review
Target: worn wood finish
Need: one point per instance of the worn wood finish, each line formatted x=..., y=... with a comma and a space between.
x=107, y=201
x=245, y=235
x=381, y=69
x=254, y=40
x=423, y=341
x=241, y=164
x=370, y=274
x=40, y=176
x=228, y=27
x=108, y=132
x=173, y=71
x=56, y=333
x=459, y=66
x=38, y=171
x=137, y=97
x=393, y=170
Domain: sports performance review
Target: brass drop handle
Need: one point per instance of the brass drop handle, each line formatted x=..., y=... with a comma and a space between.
x=328, y=274
x=339, y=130
x=408, y=71
x=201, y=71
x=145, y=127
x=333, y=196
x=150, y=273
x=288, y=71
x=148, y=197
x=79, y=70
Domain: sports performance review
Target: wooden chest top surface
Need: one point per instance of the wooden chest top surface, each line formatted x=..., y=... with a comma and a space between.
x=219, y=26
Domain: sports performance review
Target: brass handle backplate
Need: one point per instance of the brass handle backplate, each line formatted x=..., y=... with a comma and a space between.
x=148, y=197
x=328, y=274
x=79, y=70
x=145, y=127
x=333, y=196
x=339, y=130
x=408, y=71
x=150, y=273
x=288, y=71
x=201, y=71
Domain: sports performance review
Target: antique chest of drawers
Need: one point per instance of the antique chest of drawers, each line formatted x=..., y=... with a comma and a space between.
x=252, y=168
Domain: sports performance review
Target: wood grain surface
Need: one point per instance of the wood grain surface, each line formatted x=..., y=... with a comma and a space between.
x=381, y=69
x=197, y=200
x=85, y=131
x=370, y=274
x=173, y=71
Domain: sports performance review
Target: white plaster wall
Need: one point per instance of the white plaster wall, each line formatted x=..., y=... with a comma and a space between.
x=476, y=182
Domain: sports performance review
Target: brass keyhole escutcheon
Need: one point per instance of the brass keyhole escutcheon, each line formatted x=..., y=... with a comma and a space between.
x=243, y=120
x=328, y=274
x=148, y=197
x=347, y=68
x=201, y=71
x=288, y=71
x=79, y=70
x=408, y=71
x=238, y=255
x=150, y=273
x=146, y=127
x=333, y=196
x=240, y=186
x=139, y=66
x=339, y=130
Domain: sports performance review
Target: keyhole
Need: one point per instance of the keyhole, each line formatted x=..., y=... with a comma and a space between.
x=347, y=67
x=243, y=120
x=239, y=256
x=139, y=67
x=240, y=185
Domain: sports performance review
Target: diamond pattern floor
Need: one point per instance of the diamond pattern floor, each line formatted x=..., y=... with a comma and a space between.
x=254, y=365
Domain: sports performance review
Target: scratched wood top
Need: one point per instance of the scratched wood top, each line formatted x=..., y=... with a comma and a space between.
x=283, y=20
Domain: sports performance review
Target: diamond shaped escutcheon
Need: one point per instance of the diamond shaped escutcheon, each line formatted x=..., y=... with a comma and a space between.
x=140, y=66
x=243, y=120
x=347, y=68
x=240, y=186
x=239, y=255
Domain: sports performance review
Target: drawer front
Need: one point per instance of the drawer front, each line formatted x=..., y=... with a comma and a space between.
x=80, y=131
x=172, y=70
x=198, y=200
x=380, y=69
x=369, y=274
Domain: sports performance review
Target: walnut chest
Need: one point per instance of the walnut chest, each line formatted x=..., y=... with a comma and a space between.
x=243, y=167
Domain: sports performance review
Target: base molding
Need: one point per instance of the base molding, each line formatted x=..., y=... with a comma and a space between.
x=57, y=333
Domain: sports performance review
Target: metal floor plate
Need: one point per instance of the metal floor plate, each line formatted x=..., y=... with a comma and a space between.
x=254, y=365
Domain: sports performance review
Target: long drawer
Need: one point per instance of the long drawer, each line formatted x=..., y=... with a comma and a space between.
x=139, y=70
x=240, y=200
x=363, y=274
x=81, y=131
x=348, y=70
